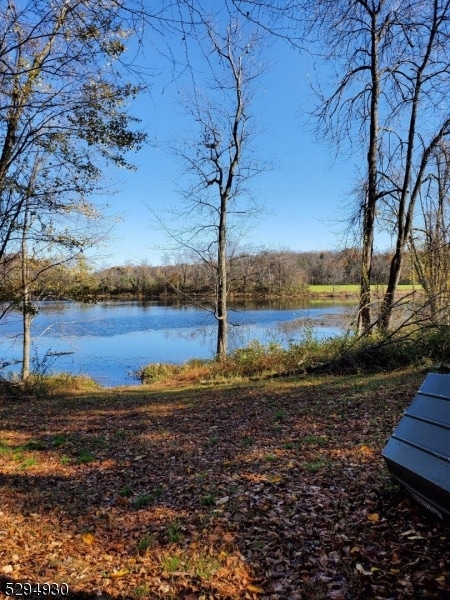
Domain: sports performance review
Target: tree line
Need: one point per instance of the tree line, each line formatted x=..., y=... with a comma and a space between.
x=258, y=274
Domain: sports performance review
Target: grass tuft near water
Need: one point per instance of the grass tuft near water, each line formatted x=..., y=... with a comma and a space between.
x=345, y=354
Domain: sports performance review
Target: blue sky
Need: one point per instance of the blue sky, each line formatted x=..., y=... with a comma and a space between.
x=304, y=195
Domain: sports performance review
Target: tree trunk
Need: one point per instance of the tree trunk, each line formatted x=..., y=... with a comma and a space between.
x=370, y=201
x=26, y=300
x=222, y=316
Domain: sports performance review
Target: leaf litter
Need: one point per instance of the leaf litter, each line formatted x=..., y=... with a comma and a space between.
x=266, y=490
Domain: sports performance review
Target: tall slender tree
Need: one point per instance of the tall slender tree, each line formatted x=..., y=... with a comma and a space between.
x=219, y=160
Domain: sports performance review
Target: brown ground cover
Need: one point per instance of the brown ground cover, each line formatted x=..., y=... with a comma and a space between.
x=269, y=489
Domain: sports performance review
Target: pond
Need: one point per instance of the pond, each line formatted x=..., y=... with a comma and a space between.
x=109, y=341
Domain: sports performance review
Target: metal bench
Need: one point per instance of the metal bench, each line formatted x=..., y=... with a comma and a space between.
x=418, y=453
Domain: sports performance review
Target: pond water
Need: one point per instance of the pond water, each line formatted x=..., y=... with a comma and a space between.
x=109, y=341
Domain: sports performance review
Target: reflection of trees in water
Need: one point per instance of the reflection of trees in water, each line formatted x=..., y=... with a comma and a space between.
x=239, y=335
x=295, y=326
x=206, y=335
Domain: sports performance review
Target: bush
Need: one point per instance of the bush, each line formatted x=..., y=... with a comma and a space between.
x=254, y=360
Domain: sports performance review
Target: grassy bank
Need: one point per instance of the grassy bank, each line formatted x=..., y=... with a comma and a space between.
x=352, y=290
x=268, y=489
x=423, y=349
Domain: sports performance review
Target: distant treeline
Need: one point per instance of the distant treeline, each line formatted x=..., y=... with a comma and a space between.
x=261, y=274
x=265, y=273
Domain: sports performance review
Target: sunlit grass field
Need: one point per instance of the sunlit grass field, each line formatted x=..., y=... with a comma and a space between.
x=353, y=288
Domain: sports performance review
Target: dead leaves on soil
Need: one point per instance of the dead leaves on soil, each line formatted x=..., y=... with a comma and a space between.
x=270, y=491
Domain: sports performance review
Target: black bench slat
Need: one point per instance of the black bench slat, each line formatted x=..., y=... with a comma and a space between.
x=418, y=453
x=429, y=407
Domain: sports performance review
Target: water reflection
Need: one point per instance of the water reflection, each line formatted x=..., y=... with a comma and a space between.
x=110, y=340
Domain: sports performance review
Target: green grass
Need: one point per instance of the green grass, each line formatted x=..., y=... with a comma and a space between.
x=34, y=445
x=28, y=462
x=148, y=541
x=126, y=491
x=330, y=288
x=270, y=458
x=208, y=500
x=171, y=563
x=314, y=466
x=258, y=360
x=353, y=288
x=174, y=532
x=247, y=442
x=146, y=499
x=85, y=456
x=314, y=439
x=59, y=440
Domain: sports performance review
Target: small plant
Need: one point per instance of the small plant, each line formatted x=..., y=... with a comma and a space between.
x=248, y=441
x=174, y=532
x=34, y=445
x=59, y=440
x=141, y=591
x=28, y=462
x=101, y=442
x=126, y=492
x=149, y=498
x=142, y=501
x=4, y=448
x=214, y=441
x=120, y=434
x=280, y=416
x=171, y=563
x=157, y=372
x=85, y=457
x=65, y=460
x=270, y=458
x=208, y=500
x=18, y=453
x=145, y=543
x=205, y=567
x=315, y=465
x=315, y=439
x=289, y=445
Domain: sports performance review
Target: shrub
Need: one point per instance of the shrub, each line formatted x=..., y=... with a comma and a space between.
x=345, y=354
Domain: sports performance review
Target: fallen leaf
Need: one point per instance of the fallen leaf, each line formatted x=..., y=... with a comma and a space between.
x=373, y=517
x=275, y=478
x=88, y=538
x=223, y=500
x=122, y=500
x=7, y=569
x=120, y=573
x=255, y=589
x=362, y=570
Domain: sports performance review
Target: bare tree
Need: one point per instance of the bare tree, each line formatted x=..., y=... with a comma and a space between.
x=386, y=102
x=430, y=238
x=218, y=158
